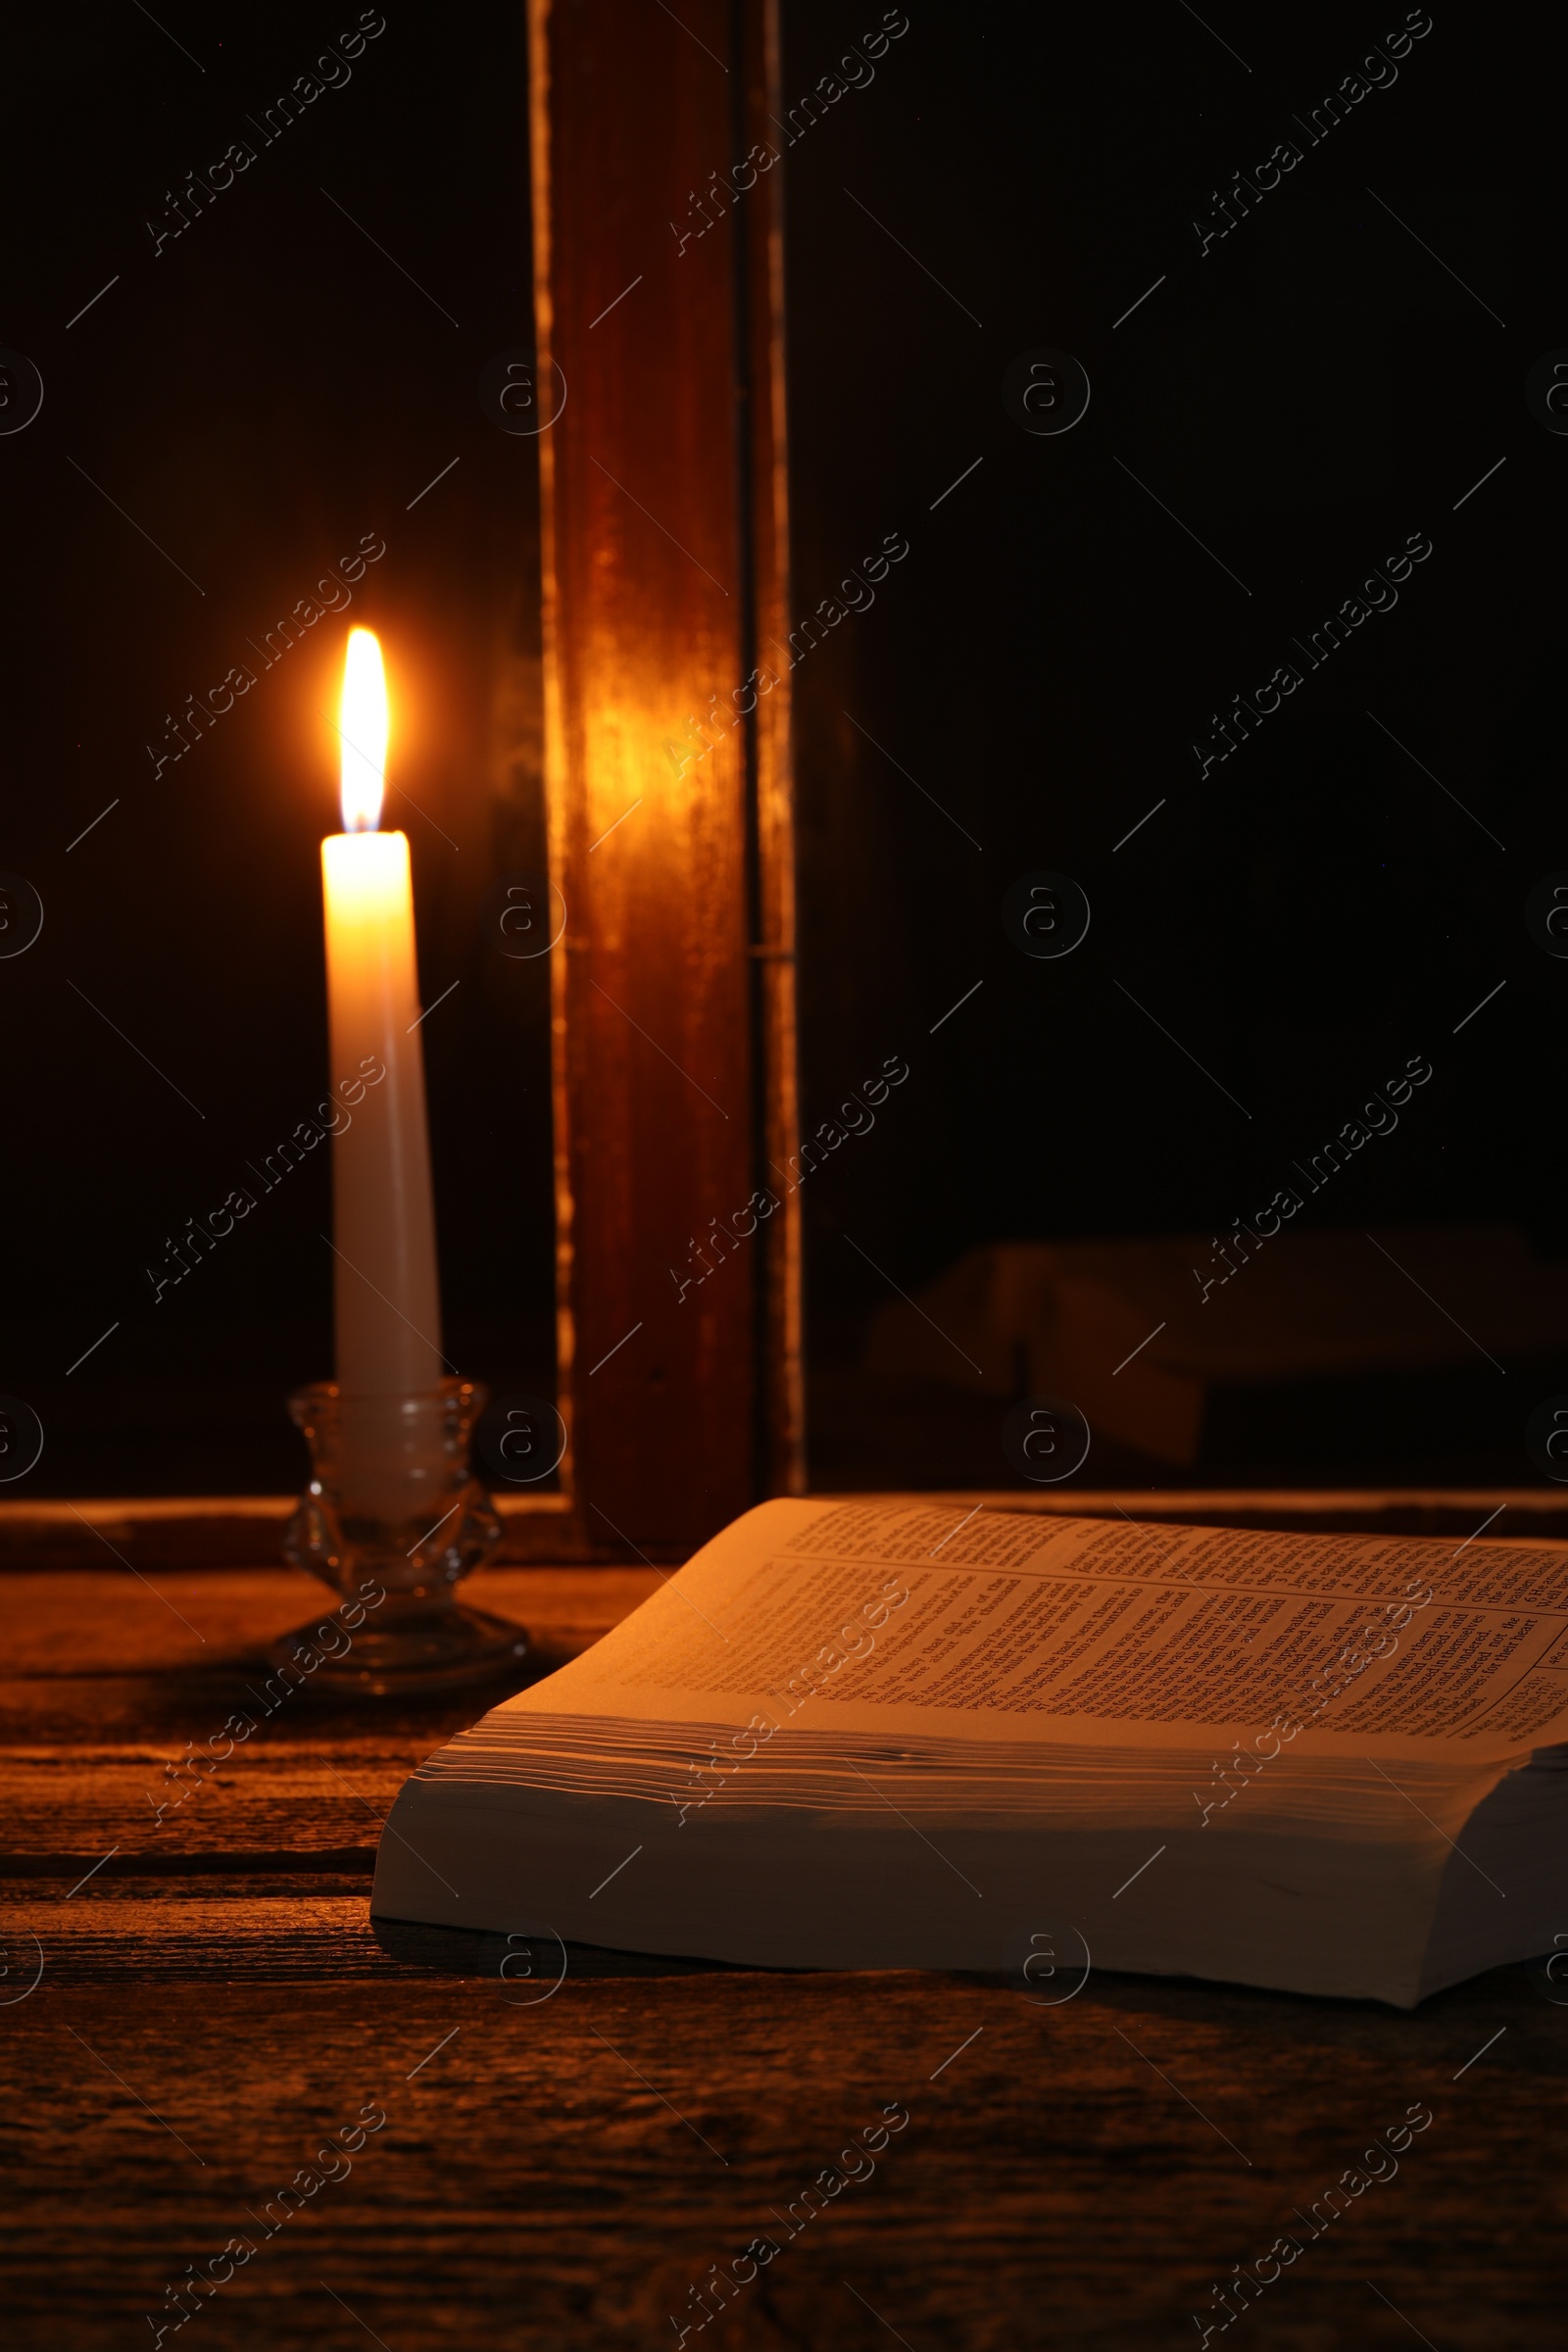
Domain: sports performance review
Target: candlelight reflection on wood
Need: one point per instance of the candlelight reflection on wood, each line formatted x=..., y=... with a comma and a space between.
x=667, y=774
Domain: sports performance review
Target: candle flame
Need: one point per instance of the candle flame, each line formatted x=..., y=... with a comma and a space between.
x=362, y=725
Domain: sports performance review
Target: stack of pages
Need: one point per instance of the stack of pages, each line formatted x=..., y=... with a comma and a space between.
x=890, y=1735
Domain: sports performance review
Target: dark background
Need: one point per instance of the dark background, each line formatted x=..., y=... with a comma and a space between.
x=273, y=385
x=266, y=390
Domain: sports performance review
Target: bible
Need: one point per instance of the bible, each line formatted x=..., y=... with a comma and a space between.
x=881, y=1735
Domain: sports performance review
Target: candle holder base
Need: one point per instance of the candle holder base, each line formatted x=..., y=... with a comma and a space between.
x=404, y=1650
x=392, y=1519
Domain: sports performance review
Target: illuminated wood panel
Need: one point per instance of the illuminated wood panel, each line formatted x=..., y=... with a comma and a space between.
x=658, y=307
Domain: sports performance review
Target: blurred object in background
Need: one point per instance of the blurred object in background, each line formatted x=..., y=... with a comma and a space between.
x=1190, y=1348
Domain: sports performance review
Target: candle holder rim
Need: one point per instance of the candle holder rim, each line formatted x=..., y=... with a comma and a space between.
x=454, y=1387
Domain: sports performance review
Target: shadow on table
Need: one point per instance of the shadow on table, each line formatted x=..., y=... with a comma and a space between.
x=531, y=1960
x=1523, y=2003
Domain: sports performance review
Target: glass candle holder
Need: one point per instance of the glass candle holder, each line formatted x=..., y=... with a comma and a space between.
x=392, y=1520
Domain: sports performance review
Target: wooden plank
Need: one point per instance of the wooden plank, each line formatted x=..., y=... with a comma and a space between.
x=650, y=617
x=226, y=1531
x=112, y=1675
x=264, y=1926
x=564, y=2172
x=111, y=1621
x=247, y=1529
x=101, y=1818
x=770, y=743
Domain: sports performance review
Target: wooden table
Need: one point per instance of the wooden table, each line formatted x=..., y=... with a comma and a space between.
x=215, y=1999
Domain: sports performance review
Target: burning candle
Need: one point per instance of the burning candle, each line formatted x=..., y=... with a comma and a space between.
x=386, y=1291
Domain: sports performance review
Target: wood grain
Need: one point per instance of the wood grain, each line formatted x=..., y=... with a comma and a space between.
x=232, y=1531
x=244, y=1530
x=110, y=1621
x=770, y=744
x=650, y=550
x=562, y=2172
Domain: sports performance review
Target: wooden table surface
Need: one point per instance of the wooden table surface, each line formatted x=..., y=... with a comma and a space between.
x=561, y=2172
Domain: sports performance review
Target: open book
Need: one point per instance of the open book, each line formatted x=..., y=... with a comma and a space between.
x=885, y=1735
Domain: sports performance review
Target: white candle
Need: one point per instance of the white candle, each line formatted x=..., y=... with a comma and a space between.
x=386, y=1288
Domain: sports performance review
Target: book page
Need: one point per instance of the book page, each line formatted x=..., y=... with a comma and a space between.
x=880, y=1619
